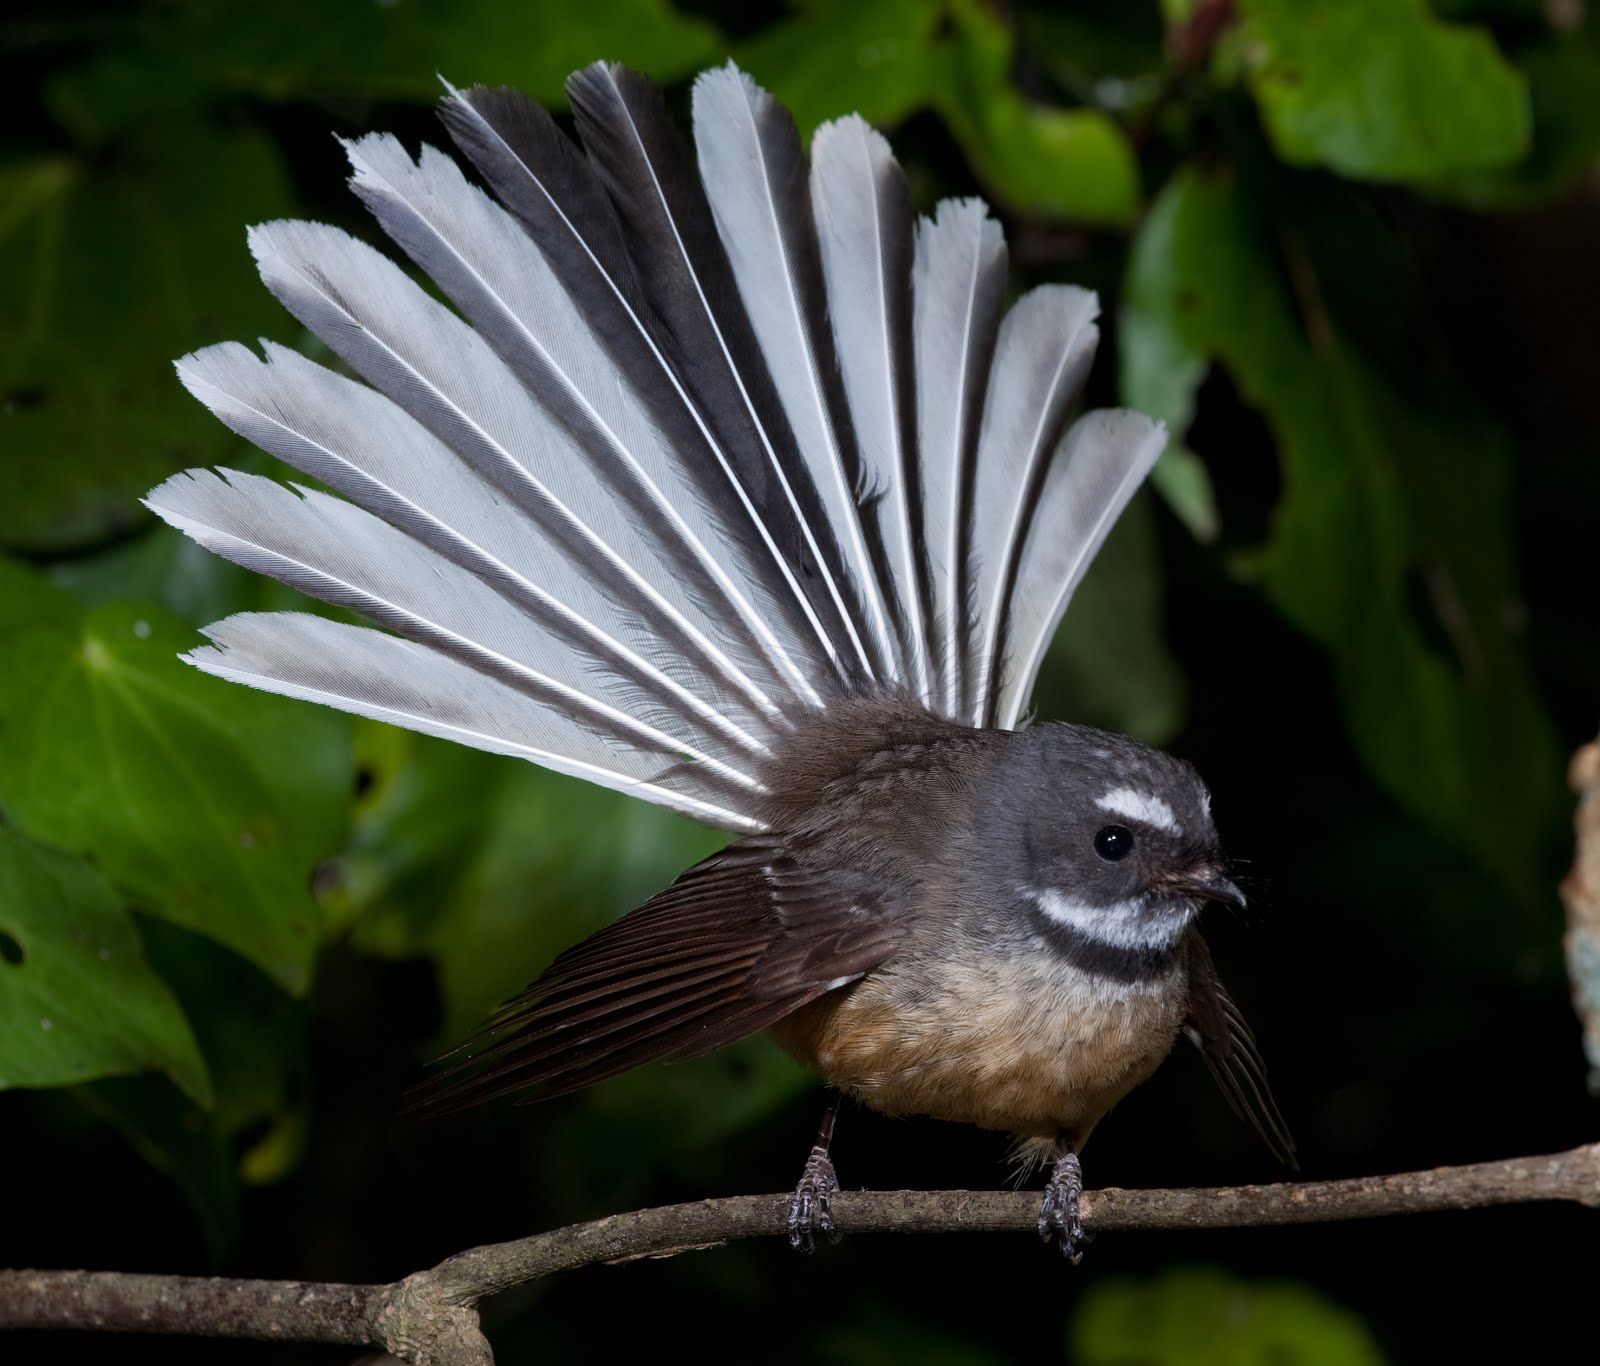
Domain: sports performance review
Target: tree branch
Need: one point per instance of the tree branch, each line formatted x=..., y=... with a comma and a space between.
x=430, y=1318
x=1580, y=892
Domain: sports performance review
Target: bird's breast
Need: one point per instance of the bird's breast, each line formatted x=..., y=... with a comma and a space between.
x=1034, y=1048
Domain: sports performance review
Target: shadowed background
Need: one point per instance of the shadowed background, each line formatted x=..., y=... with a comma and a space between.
x=1344, y=247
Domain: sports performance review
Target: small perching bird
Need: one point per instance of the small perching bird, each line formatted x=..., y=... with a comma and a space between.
x=739, y=490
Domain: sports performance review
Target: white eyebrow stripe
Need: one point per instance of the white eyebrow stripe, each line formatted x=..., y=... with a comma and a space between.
x=1122, y=925
x=1143, y=807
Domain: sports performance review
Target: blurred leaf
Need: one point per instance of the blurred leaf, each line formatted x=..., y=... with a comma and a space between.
x=1563, y=72
x=77, y=999
x=876, y=58
x=1390, y=545
x=1075, y=163
x=210, y=803
x=1183, y=481
x=163, y=565
x=1110, y=57
x=29, y=599
x=1381, y=90
x=296, y=49
x=1202, y=1317
x=1109, y=665
x=1158, y=373
x=492, y=867
x=887, y=58
x=112, y=265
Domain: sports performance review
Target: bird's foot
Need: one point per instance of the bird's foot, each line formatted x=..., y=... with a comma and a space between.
x=1059, y=1215
x=812, y=1210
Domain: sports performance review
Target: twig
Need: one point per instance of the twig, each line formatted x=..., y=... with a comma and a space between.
x=430, y=1318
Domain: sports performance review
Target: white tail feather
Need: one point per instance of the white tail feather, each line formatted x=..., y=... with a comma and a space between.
x=957, y=282
x=862, y=209
x=478, y=255
x=337, y=552
x=1046, y=345
x=354, y=440
x=1103, y=458
x=751, y=165
x=382, y=677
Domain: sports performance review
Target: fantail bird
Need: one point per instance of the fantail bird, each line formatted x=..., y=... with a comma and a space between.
x=735, y=491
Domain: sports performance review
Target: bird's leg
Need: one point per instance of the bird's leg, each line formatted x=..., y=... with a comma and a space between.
x=1059, y=1216
x=812, y=1210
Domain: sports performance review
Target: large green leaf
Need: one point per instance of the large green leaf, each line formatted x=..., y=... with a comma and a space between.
x=1204, y=1317
x=77, y=999
x=1381, y=90
x=886, y=59
x=1389, y=546
x=209, y=803
x=114, y=261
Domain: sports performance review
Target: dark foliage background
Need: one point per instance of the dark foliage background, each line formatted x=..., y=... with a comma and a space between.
x=1346, y=248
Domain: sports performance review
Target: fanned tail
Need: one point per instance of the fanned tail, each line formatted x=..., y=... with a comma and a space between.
x=959, y=278
x=862, y=208
x=686, y=454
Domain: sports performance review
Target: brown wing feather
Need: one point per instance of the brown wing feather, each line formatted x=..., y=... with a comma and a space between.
x=736, y=943
x=1219, y=1031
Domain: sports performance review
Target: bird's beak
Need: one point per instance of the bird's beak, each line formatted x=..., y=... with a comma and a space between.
x=1204, y=884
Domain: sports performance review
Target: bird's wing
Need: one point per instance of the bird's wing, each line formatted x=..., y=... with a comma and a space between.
x=1218, y=1030
x=736, y=943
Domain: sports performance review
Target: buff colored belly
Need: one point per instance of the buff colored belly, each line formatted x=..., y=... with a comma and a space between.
x=1004, y=1048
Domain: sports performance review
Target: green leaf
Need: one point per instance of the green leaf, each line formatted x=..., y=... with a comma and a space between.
x=113, y=263
x=1158, y=373
x=876, y=58
x=1563, y=72
x=885, y=59
x=300, y=49
x=27, y=598
x=1204, y=1317
x=1389, y=547
x=1381, y=90
x=77, y=999
x=163, y=565
x=1072, y=163
x=208, y=802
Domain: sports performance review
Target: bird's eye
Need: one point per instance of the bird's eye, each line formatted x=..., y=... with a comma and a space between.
x=1113, y=842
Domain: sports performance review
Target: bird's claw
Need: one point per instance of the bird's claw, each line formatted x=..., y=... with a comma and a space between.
x=1059, y=1216
x=812, y=1210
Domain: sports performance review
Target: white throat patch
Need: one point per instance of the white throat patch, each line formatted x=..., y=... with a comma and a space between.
x=1144, y=807
x=1131, y=924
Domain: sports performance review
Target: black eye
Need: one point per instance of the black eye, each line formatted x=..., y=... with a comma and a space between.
x=1113, y=843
